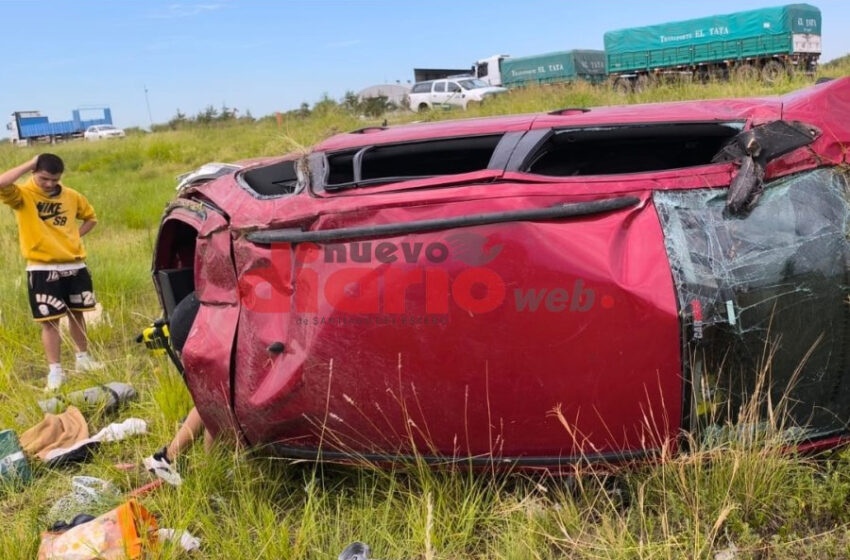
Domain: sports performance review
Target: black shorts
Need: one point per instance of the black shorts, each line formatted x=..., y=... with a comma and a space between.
x=53, y=292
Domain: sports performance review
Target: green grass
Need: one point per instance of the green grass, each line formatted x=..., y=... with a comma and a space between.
x=243, y=506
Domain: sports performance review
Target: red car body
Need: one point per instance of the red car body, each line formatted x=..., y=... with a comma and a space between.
x=561, y=287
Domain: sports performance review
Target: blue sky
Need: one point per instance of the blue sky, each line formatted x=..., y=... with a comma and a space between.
x=269, y=55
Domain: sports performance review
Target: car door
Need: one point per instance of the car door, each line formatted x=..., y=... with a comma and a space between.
x=455, y=94
x=439, y=93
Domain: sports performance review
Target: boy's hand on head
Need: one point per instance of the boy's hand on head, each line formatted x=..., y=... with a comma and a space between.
x=33, y=162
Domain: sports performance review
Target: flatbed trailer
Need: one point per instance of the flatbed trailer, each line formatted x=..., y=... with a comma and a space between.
x=768, y=42
x=31, y=126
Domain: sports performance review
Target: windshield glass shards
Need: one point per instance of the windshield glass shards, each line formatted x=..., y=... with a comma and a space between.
x=756, y=293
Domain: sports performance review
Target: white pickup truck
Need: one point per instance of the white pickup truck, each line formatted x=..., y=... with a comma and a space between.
x=459, y=91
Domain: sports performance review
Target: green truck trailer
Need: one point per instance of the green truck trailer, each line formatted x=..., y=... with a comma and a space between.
x=767, y=41
x=564, y=66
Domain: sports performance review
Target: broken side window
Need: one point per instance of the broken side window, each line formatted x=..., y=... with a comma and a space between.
x=629, y=149
x=272, y=180
x=411, y=160
x=764, y=301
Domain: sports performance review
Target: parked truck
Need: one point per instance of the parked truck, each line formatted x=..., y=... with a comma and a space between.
x=563, y=66
x=26, y=127
x=426, y=74
x=768, y=42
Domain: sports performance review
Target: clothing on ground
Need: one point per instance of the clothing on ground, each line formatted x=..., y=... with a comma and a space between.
x=56, y=431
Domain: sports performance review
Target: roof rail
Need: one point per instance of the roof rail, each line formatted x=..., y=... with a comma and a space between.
x=568, y=111
x=368, y=129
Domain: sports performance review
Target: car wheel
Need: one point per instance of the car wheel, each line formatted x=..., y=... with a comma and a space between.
x=423, y=107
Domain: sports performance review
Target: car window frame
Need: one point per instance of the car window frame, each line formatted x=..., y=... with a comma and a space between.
x=534, y=140
x=319, y=169
x=424, y=86
x=301, y=182
x=509, y=157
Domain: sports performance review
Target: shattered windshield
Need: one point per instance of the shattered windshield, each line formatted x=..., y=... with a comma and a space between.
x=764, y=298
x=473, y=84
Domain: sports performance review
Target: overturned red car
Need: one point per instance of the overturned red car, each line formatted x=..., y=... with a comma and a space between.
x=581, y=285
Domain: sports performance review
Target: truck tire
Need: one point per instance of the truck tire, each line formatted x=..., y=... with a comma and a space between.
x=622, y=86
x=773, y=71
x=746, y=72
x=423, y=107
x=791, y=70
x=712, y=74
x=643, y=83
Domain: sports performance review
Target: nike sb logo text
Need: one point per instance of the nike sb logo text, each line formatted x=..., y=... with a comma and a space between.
x=49, y=210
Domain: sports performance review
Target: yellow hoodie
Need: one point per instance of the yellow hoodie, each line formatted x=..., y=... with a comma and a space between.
x=47, y=225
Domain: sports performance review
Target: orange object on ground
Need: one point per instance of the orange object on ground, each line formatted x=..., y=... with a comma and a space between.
x=125, y=533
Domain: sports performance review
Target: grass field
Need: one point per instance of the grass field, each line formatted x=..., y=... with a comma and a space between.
x=740, y=498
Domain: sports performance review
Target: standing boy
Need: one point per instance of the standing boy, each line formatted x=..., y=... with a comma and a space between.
x=57, y=278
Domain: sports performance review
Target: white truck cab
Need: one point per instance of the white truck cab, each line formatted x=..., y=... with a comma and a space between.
x=12, y=126
x=488, y=69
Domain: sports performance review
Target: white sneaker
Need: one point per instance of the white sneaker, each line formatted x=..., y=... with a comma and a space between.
x=87, y=364
x=162, y=467
x=55, y=380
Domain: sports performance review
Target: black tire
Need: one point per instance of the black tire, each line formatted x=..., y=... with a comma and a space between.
x=746, y=72
x=622, y=86
x=423, y=108
x=710, y=75
x=773, y=71
x=790, y=71
x=643, y=83
x=182, y=317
